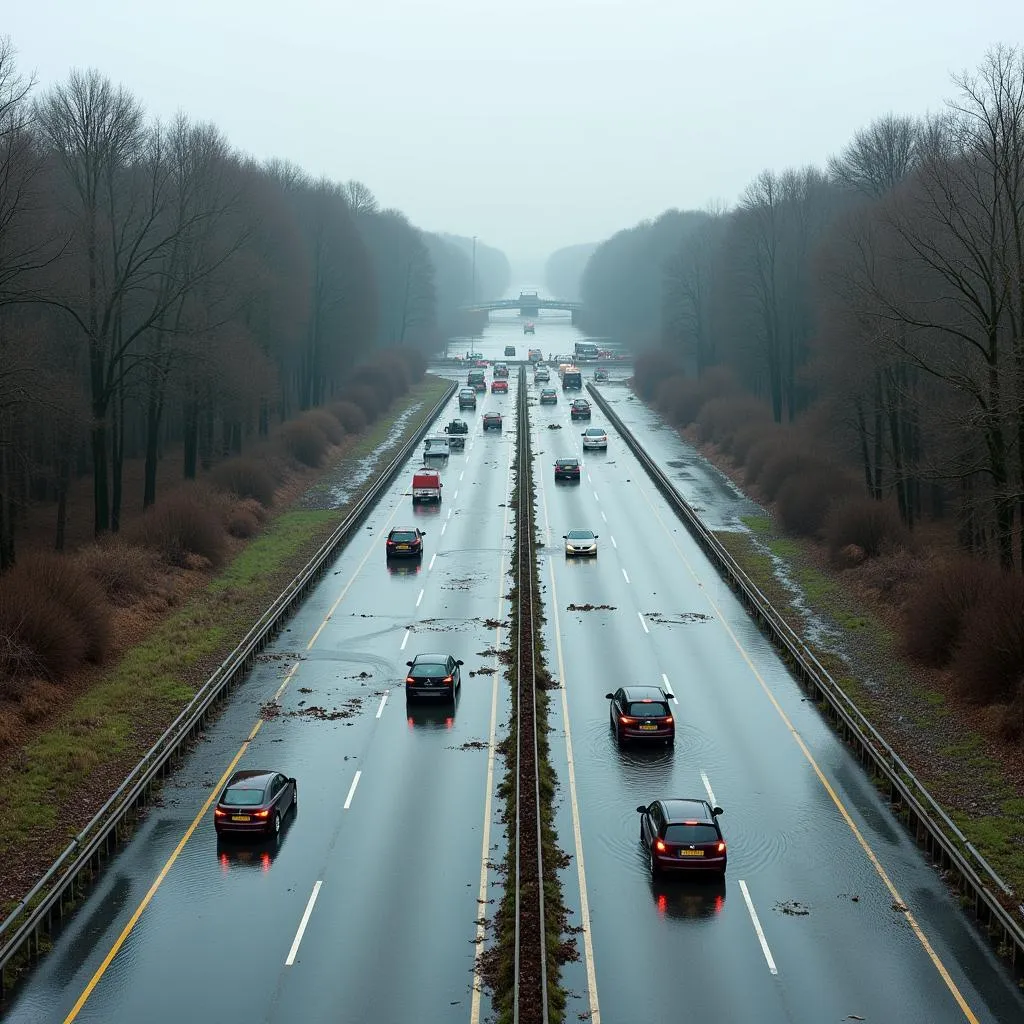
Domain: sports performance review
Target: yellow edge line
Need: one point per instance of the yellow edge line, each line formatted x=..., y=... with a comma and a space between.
x=133, y=920
x=875, y=863
x=481, y=928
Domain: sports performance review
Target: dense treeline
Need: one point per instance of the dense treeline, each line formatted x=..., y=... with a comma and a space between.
x=880, y=298
x=563, y=271
x=159, y=290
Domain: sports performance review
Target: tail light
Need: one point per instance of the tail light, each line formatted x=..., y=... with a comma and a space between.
x=626, y=720
x=410, y=680
x=261, y=814
x=668, y=719
x=659, y=845
x=219, y=813
x=447, y=679
x=721, y=847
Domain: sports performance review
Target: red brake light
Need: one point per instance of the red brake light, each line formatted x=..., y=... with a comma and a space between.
x=447, y=679
x=409, y=679
x=626, y=720
x=219, y=813
x=659, y=845
x=721, y=847
x=646, y=700
x=668, y=719
x=261, y=814
x=691, y=822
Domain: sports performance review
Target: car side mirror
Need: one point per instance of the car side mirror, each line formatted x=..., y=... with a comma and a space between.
x=565, y=536
x=641, y=809
x=583, y=433
x=716, y=811
x=460, y=662
x=596, y=535
x=293, y=781
x=409, y=663
x=609, y=696
x=670, y=696
x=422, y=533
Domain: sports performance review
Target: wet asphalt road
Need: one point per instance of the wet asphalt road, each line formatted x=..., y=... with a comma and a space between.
x=397, y=849
x=835, y=941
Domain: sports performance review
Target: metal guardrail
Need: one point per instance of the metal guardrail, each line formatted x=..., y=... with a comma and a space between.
x=933, y=828
x=33, y=919
x=530, y=977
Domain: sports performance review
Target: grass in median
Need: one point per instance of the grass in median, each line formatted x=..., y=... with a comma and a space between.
x=111, y=724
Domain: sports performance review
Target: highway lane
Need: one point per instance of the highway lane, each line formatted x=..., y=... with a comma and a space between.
x=397, y=848
x=833, y=932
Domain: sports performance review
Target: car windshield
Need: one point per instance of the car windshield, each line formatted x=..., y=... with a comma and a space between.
x=648, y=709
x=594, y=432
x=691, y=834
x=403, y=536
x=429, y=670
x=241, y=796
x=567, y=464
x=581, y=535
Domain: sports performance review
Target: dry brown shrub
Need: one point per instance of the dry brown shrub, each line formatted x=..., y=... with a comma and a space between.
x=398, y=363
x=10, y=734
x=893, y=573
x=937, y=606
x=245, y=477
x=304, y=441
x=328, y=425
x=38, y=635
x=652, y=368
x=242, y=524
x=378, y=380
x=124, y=571
x=38, y=699
x=869, y=524
x=761, y=452
x=365, y=398
x=988, y=661
x=720, y=417
x=185, y=523
x=678, y=398
x=69, y=583
x=349, y=415
x=805, y=499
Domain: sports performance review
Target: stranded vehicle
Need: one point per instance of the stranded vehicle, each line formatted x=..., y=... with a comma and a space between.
x=477, y=380
x=492, y=421
x=457, y=431
x=580, y=409
x=436, y=448
x=467, y=399
x=404, y=543
x=535, y=355
x=501, y=371
x=600, y=375
x=572, y=379
x=433, y=675
x=426, y=486
x=682, y=835
x=499, y=387
x=528, y=328
x=255, y=800
x=549, y=396
x=641, y=713
x=567, y=469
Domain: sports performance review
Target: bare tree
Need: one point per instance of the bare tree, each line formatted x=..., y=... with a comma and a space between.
x=879, y=157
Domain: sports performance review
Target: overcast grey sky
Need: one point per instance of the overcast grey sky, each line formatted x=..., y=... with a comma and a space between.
x=532, y=124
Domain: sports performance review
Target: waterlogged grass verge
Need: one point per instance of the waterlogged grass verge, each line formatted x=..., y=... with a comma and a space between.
x=994, y=820
x=110, y=725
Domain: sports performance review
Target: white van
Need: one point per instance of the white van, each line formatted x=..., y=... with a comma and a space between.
x=436, y=448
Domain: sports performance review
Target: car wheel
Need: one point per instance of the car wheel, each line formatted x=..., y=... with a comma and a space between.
x=653, y=864
x=276, y=824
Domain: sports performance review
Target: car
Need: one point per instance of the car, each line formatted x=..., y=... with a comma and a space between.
x=501, y=370
x=426, y=486
x=567, y=469
x=436, y=448
x=595, y=437
x=433, y=675
x=476, y=380
x=404, y=543
x=528, y=328
x=481, y=364
x=457, y=426
x=534, y=355
x=492, y=421
x=580, y=409
x=467, y=399
x=641, y=713
x=542, y=376
x=255, y=800
x=548, y=396
x=580, y=542
x=499, y=387
x=683, y=834
x=474, y=355
x=510, y=351
x=600, y=375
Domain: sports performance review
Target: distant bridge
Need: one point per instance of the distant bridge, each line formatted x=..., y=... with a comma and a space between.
x=528, y=304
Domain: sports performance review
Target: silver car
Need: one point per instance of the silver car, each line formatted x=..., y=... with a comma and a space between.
x=595, y=437
x=580, y=542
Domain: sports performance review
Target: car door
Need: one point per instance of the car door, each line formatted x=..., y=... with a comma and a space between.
x=619, y=704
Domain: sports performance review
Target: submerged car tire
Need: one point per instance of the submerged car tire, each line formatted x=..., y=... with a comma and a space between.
x=275, y=826
x=652, y=864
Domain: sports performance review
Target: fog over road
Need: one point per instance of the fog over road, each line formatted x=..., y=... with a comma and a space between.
x=366, y=908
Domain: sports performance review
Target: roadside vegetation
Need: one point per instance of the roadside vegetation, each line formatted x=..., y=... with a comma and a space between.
x=104, y=645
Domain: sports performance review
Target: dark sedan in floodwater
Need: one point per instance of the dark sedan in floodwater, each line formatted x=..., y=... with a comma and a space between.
x=255, y=800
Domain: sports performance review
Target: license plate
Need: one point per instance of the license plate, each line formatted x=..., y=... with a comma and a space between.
x=691, y=853
x=648, y=728
x=403, y=547
x=241, y=817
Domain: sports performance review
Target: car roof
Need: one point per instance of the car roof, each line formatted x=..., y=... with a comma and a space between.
x=567, y=462
x=429, y=659
x=687, y=809
x=643, y=693
x=254, y=775
x=595, y=430
x=404, y=529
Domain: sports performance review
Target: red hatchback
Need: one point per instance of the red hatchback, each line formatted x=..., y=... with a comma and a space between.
x=642, y=713
x=499, y=387
x=682, y=835
x=255, y=800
